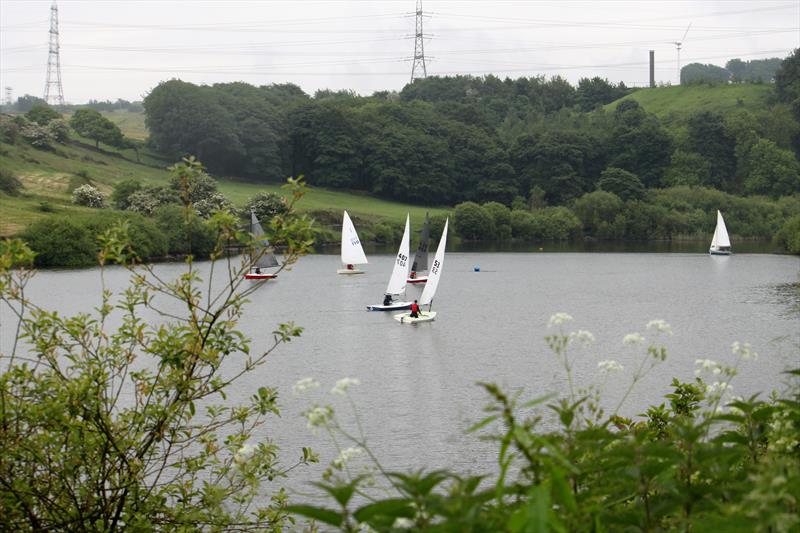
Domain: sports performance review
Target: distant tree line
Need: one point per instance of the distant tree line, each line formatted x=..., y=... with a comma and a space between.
x=25, y=103
x=442, y=141
x=735, y=71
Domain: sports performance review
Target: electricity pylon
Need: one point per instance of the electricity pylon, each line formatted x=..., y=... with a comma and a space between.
x=418, y=69
x=53, y=91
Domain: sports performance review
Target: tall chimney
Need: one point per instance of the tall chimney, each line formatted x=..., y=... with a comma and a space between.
x=652, y=68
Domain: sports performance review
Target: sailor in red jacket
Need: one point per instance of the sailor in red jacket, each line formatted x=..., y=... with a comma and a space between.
x=415, y=310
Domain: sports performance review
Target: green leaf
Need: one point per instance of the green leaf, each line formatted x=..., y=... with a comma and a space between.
x=394, y=508
x=320, y=514
x=486, y=421
x=341, y=493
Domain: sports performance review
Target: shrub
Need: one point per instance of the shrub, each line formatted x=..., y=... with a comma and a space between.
x=190, y=182
x=120, y=196
x=522, y=224
x=9, y=183
x=601, y=214
x=147, y=200
x=185, y=232
x=269, y=204
x=501, y=217
x=42, y=114
x=555, y=224
x=59, y=129
x=472, y=222
x=211, y=204
x=387, y=233
x=88, y=196
x=39, y=136
x=9, y=128
x=788, y=237
x=60, y=241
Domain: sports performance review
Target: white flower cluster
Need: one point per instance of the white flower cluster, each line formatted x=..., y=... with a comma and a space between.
x=609, y=365
x=343, y=384
x=558, y=319
x=707, y=365
x=318, y=415
x=345, y=456
x=305, y=384
x=402, y=522
x=244, y=454
x=743, y=350
x=633, y=339
x=718, y=388
x=659, y=326
x=584, y=337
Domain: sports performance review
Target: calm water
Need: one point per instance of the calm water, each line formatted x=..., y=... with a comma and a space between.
x=418, y=392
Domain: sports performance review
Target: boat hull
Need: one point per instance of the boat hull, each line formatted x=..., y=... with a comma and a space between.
x=424, y=316
x=719, y=252
x=257, y=277
x=349, y=271
x=394, y=306
x=415, y=281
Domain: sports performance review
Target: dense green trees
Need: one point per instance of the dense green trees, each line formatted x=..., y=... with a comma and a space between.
x=443, y=141
x=91, y=124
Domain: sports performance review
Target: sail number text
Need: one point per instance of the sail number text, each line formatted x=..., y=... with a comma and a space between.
x=435, y=267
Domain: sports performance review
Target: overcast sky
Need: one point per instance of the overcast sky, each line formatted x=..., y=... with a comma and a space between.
x=123, y=48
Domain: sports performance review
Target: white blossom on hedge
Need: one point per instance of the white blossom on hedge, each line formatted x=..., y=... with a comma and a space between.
x=88, y=195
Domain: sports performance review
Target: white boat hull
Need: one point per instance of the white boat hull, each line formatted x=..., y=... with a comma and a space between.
x=394, y=306
x=719, y=252
x=349, y=271
x=424, y=316
x=414, y=281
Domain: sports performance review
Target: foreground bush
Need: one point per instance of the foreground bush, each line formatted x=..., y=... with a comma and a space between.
x=127, y=427
x=703, y=460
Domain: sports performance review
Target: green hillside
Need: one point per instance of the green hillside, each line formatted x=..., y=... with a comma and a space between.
x=674, y=104
x=48, y=178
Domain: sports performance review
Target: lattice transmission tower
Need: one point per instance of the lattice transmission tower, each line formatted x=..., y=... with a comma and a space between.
x=53, y=91
x=418, y=69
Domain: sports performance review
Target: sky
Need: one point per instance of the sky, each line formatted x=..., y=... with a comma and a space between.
x=113, y=49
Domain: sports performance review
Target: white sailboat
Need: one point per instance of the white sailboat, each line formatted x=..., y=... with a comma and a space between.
x=262, y=256
x=352, y=252
x=420, y=263
x=397, y=281
x=434, y=276
x=720, y=243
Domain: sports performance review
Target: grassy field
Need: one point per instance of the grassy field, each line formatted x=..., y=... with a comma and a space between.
x=49, y=176
x=131, y=124
x=675, y=104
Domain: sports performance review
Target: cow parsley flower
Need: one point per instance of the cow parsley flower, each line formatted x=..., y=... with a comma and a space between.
x=584, y=337
x=632, y=339
x=609, y=365
x=318, y=415
x=402, y=522
x=343, y=384
x=659, y=326
x=558, y=319
x=744, y=351
x=345, y=456
x=305, y=384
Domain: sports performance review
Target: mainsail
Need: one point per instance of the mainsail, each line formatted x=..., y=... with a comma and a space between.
x=266, y=259
x=352, y=252
x=397, y=283
x=435, y=270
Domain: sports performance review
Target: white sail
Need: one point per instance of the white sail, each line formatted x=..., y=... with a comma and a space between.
x=435, y=270
x=398, y=280
x=266, y=259
x=720, y=239
x=352, y=252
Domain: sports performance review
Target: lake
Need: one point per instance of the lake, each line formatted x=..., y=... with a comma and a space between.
x=418, y=388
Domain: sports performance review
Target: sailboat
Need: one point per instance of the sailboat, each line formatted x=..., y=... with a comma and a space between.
x=430, y=288
x=420, y=263
x=720, y=243
x=397, y=281
x=262, y=256
x=352, y=252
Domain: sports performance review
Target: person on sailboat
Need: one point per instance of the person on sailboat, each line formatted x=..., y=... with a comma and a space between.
x=349, y=266
x=387, y=300
x=415, y=310
x=413, y=275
